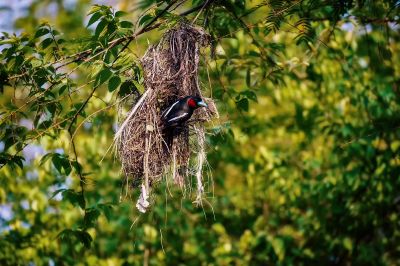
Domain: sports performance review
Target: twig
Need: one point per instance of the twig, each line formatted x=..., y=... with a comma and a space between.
x=147, y=26
x=79, y=170
x=194, y=9
x=206, y=3
x=246, y=28
x=84, y=54
x=81, y=108
x=364, y=20
x=96, y=112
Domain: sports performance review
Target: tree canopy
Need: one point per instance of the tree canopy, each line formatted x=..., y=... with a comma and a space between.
x=303, y=160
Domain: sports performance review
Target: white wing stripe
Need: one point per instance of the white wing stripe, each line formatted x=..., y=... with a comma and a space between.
x=176, y=118
x=169, y=110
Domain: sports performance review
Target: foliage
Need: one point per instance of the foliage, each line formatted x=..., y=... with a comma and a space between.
x=304, y=159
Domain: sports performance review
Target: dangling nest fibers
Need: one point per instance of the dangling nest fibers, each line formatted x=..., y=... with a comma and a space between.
x=148, y=151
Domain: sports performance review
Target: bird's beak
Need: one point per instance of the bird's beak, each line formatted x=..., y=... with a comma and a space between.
x=202, y=104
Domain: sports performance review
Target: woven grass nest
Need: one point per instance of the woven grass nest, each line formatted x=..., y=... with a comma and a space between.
x=148, y=152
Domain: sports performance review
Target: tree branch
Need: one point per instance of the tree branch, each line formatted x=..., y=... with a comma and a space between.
x=79, y=170
x=363, y=20
x=145, y=27
x=81, y=108
x=194, y=9
x=84, y=55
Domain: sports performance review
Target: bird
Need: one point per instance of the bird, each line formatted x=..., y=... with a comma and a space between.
x=181, y=111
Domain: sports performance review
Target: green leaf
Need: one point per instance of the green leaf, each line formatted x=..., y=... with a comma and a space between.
x=103, y=76
x=91, y=216
x=46, y=157
x=60, y=162
x=119, y=14
x=106, y=209
x=126, y=88
x=57, y=192
x=95, y=17
x=62, y=89
x=51, y=108
x=111, y=55
x=94, y=9
x=11, y=160
x=46, y=43
x=8, y=41
x=249, y=94
x=243, y=104
x=144, y=19
x=348, y=244
x=45, y=124
x=73, y=197
x=65, y=234
x=126, y=24
x=57, y=162
x=77, y=166
x=111, y=28
x=41, y=31
x=113, y=83
x=248, y=77
x=279, y=248
x=100, y=27
x=84, y=237
x=67, y=166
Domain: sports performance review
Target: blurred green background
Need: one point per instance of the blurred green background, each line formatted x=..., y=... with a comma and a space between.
x=304, y=164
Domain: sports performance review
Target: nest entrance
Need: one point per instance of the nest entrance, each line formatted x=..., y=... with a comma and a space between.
x=146, y=149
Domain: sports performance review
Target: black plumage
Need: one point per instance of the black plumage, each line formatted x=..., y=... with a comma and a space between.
x=181, y=111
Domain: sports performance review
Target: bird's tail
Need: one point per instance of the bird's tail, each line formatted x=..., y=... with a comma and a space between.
x=169, y=134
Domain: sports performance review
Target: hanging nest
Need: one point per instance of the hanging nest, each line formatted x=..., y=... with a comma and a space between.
x=147, y=150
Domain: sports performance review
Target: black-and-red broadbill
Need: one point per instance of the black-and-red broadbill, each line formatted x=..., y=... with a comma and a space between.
x=181, y=111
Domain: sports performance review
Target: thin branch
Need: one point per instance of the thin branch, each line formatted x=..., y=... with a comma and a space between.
x=202, y=8
x=145, y=27
x=253, y=9
x=194, y=9
x=246, y=28
x=81, y=108
x=83, y=55
x=79, y=170
x=96, y=112
x=82, y=180
x=363, y=20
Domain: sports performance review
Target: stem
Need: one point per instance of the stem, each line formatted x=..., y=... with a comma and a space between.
x=79, y=170
x=146, y=27
x=81, y=108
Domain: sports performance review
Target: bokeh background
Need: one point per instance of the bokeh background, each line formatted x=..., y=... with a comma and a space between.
x=304, y=164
